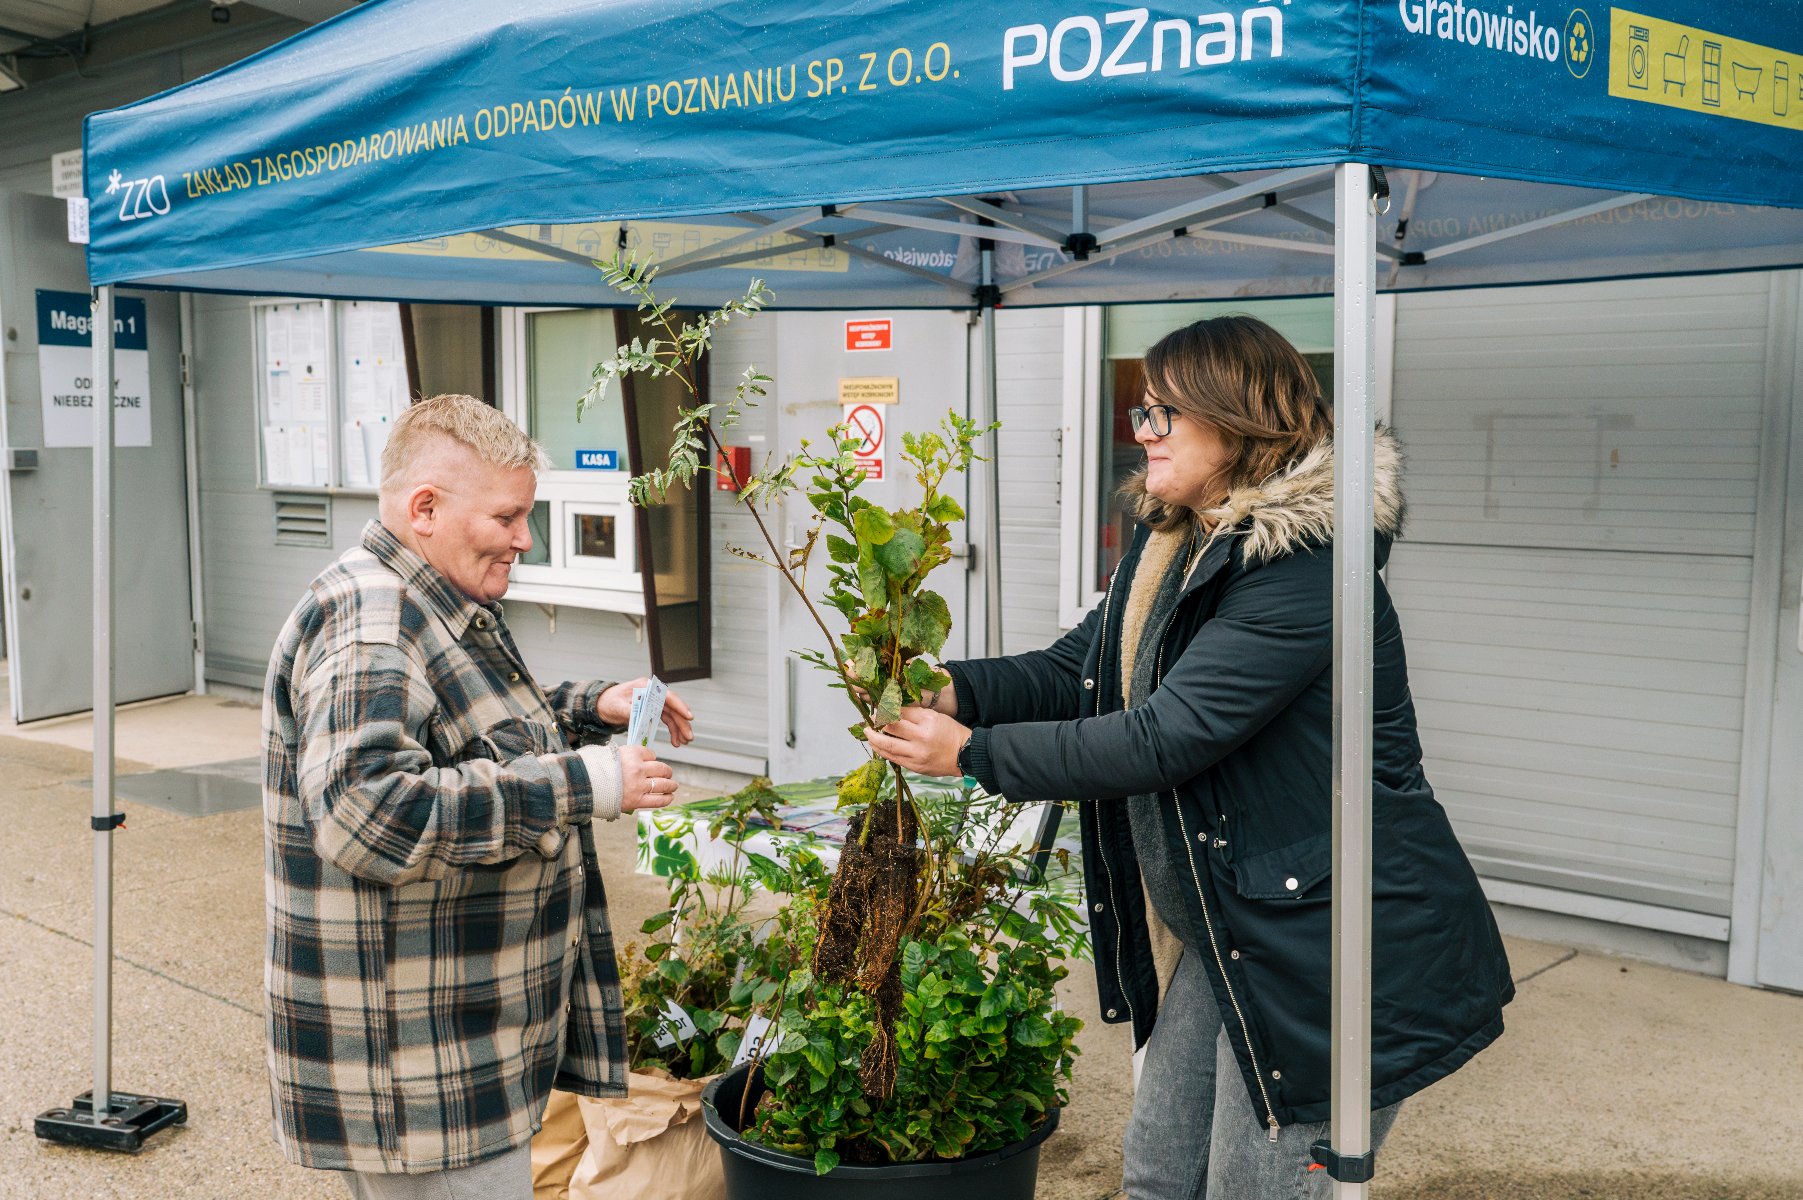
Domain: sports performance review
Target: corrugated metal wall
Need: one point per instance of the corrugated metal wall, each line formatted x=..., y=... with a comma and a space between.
x=1029, y=404
x=1574, y=586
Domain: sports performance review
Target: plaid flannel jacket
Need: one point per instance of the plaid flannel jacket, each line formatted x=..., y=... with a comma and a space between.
x=429, y=872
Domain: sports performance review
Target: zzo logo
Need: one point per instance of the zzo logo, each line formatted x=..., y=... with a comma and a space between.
x=143, y=197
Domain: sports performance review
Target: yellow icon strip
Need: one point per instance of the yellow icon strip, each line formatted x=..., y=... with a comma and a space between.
x=658, y=241
x=1682, y=66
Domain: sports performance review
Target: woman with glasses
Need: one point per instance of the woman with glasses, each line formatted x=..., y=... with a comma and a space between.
x=1191, y=714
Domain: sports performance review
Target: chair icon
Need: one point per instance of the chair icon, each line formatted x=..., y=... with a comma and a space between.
x=1746, y=80
x=1676, y=72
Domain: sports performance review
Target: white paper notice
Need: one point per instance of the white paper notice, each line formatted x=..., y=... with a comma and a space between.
x=311, y=403
x=275, y=454
x=375, y=437
x=350, y=453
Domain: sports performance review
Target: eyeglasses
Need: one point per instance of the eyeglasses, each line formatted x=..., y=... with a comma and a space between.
x=1158, y=416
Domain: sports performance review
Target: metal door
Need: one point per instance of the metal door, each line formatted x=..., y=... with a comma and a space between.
x=929, y=354
x=47, y=510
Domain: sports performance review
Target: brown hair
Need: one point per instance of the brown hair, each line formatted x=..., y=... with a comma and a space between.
x=1241, y=376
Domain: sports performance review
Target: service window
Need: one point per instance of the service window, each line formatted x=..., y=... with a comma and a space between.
x=591, y=547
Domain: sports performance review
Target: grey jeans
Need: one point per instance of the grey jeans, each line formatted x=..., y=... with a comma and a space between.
x=505, y=1177
x=1194, y=1132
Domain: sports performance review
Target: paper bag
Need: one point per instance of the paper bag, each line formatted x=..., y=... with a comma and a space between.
x=651, y=1144
x=557, y=1147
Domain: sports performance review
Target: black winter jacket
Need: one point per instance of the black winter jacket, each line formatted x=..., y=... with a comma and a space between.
x=1239, y=735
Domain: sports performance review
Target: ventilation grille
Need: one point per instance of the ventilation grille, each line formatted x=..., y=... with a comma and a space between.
x=303, y=520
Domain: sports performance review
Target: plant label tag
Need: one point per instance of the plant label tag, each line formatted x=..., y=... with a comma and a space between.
x=678, y=1027
x=647, y=711
x=759, y=1032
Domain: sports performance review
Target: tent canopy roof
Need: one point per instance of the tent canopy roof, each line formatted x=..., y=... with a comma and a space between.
x=456, y=150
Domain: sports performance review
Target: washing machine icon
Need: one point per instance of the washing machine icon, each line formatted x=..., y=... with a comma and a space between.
x=1637, y=57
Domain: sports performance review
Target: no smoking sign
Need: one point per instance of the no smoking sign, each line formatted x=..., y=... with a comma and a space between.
x=865, y=421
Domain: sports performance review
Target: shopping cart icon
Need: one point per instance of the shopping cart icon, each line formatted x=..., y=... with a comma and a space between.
x=1677, y=73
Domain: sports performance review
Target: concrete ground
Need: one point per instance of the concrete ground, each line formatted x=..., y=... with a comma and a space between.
x=1616, y=1079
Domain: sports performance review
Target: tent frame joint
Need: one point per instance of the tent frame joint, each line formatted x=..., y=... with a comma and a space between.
x=1344, y=1168
x=1081, y=244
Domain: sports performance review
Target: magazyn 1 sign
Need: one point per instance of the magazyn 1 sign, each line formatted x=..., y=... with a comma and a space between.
x=66, y=369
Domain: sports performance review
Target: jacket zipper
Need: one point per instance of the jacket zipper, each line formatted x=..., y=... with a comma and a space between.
x=1096, y=710
x=1208, y=924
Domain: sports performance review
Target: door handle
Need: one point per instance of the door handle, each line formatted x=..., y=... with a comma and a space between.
x=789, y=700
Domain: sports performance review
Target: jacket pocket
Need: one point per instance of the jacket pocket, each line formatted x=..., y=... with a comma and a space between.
x=1286, y=873
x=515, y=737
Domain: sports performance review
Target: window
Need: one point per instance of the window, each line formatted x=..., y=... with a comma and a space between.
x=591, y=547
x=1105, y=352
x=450, y=349
x=334, y=375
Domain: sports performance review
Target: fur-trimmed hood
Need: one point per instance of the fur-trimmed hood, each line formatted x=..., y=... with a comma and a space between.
x=1295, y=506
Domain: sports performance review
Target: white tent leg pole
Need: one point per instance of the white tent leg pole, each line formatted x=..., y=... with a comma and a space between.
x=111, y=1120
x=992, y=498
x=103, y=701
x=1355, y=311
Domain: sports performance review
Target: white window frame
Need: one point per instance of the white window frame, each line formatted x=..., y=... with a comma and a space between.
x=568, y=493
x=334, y=401
x=334, y=435
x=1082, y=450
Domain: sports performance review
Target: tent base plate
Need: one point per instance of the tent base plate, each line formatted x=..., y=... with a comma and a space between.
x=124, y=1127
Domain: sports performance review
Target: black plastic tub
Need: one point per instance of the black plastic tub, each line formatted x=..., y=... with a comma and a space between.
x=756, y=1172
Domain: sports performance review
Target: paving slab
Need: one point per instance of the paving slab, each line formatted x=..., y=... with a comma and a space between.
x=178, y=731
x=170, y=1039
x=46, y=860
x=1615, y=1078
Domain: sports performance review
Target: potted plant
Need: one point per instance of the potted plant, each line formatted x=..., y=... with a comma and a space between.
x=689, y=993
x=919, y=1032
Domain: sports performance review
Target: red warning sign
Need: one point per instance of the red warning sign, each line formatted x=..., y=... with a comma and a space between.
x=865, y=421
x=867, y=335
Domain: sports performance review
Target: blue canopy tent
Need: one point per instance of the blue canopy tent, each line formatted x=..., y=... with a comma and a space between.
x=917, y=153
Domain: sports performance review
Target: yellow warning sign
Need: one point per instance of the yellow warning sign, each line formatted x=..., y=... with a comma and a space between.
x=1681, y=66
x=658, y=241
x=870, y=389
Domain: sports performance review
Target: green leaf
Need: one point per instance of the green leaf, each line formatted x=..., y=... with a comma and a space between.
x=945, y=510
x=1034, y=1030
x=653, y=924
x=927, y=623
x=840, y=548
x=860, y=787
x=873, y=525
x=864, y=666
x=873, y=581
x=923, y=676
x=888, y=706
x=825, y=1160
x=900, y=554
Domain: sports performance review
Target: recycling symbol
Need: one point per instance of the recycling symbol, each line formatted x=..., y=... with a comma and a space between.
x=1580, y=43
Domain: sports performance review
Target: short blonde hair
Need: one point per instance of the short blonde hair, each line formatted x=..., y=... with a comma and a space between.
x=483, y=429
